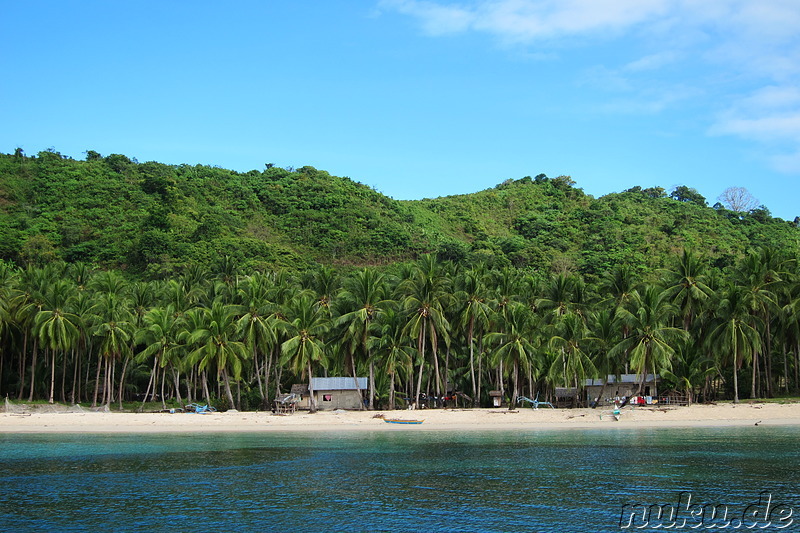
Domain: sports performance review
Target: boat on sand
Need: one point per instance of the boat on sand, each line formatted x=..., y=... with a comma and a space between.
x=401, y=421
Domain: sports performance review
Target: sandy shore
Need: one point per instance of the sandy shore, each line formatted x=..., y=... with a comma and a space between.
x=745, y=414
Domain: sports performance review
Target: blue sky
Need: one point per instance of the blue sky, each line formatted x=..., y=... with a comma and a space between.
x=420, y=98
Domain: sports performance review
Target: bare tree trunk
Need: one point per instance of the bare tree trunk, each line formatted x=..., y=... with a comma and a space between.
x=177, y=377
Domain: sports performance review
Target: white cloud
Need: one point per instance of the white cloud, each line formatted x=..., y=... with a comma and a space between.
x=436, y=19
x=743, y=56
x=526, y=20
x=771, y=117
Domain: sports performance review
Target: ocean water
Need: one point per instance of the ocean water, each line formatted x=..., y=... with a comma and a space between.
x=405, y=480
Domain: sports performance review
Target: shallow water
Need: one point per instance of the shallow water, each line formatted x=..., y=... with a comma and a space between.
x=559, y=480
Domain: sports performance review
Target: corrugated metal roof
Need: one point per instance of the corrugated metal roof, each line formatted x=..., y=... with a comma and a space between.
x=338, y=383
x=624, y=378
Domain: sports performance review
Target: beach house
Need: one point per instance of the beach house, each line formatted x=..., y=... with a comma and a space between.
x=616, y=388
x=332, y=393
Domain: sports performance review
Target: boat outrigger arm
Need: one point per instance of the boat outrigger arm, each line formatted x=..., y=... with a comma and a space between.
x=535, y=403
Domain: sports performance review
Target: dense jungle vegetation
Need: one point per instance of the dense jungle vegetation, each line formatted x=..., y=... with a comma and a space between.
x=121, y=280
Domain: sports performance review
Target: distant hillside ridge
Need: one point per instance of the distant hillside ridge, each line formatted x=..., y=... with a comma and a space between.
x=152, y=220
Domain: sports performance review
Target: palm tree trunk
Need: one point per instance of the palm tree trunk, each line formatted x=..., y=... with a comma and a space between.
x=22, y=365
x=258, y=373
x=421, y=365
x=64, y=361
x=122, y=380
x=267, y=369
x=371, y=383
x=150, y=382
x=355, y=380
x=516, y=386
x=476, y=402
x=785, y=368
x=312, y=401
x=227, y=382
x=76, y=367
x=446, y=371
x=768, y=356
x=736, y=381
x=163, y=387
x=205, y=387
x=96, y=384
x=472, y=360
x=33, y=370
x=52, y=375
x=391, y=392
x=797, y=365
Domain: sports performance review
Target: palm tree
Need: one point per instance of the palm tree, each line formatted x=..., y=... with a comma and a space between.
x=397, y=354
x=562, y=294
x=475, y=314
x=56, y=328
x=761, y=273
x=733, y=335
x=115, y=330
x=363, y=302
x=686, y=286
x=257, y=327
x=423, y=296
x=217, y=344
x=305, y=324
x=513, y=345
x=572, y=340
x=605, y=330
x=651, y=340
x=160, y=340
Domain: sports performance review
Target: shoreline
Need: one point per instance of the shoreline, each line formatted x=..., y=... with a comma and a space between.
x=456, y=420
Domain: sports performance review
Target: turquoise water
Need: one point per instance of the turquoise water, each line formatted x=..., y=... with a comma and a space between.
x=575, y=480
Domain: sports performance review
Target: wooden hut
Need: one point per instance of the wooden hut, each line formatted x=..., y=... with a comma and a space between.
x=333, y=393
x=566, y=397
x=618, y=388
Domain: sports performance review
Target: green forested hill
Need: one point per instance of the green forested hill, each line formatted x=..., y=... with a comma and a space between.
x=152, y=219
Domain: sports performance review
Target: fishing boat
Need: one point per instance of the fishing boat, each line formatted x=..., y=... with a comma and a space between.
x=401, y=421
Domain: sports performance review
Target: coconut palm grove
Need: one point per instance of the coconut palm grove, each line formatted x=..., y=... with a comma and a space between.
x=126, y=284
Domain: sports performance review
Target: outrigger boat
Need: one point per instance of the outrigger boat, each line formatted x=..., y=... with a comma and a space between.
x=401, y=421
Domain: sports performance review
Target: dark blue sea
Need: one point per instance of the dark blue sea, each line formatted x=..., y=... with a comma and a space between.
x=548, y=480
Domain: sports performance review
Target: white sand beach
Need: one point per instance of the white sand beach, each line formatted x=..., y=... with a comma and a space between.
x=726, y=414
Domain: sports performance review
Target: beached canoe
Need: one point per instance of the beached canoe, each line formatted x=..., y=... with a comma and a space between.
x=400, y=421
